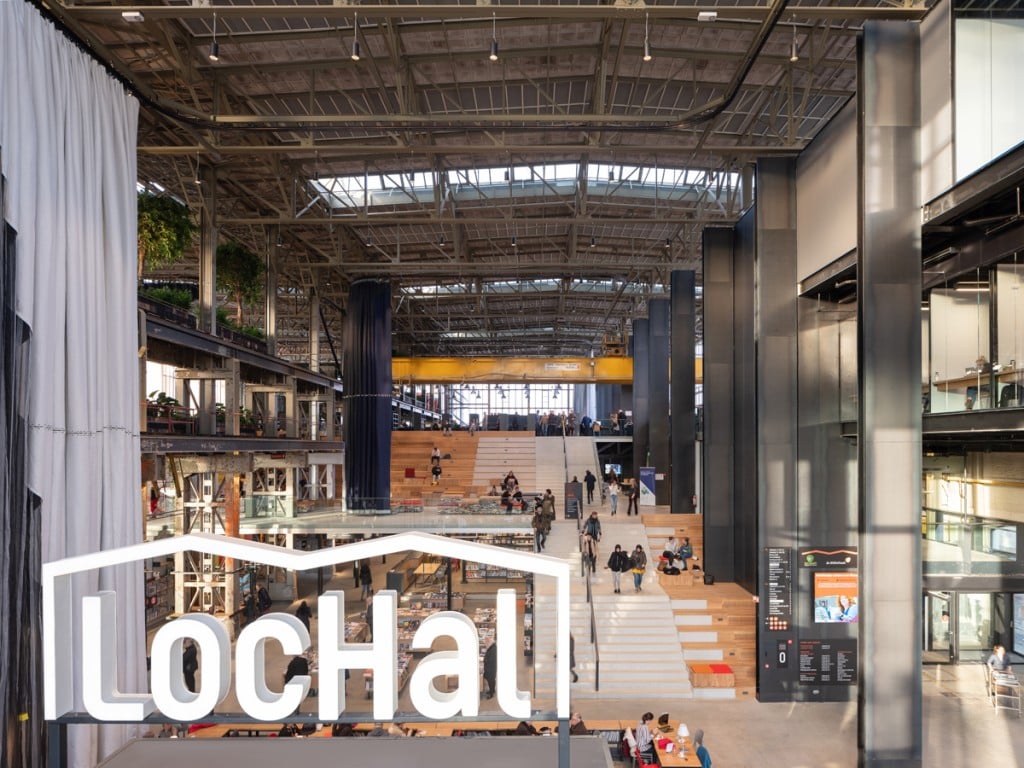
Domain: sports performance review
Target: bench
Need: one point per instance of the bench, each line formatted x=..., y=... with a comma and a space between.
x=711, y=675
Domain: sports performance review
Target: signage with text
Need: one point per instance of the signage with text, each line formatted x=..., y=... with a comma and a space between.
x=81, y=659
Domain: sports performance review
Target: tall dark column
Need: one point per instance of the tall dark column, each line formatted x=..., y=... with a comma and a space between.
x=684, y=426
x=641, y=394
x=776, y=333
x=658, y=403
x=889, y=359
x=367, y=379
x=719, y=424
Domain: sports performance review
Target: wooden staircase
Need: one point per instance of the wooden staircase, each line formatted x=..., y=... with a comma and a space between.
x=717, y=624
x=410, y=454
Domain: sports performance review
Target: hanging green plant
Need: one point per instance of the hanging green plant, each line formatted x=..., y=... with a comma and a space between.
x=166, y=229
x=240, y=275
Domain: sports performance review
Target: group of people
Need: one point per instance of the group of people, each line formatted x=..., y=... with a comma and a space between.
x=634, y=562
x=645, y=742
x=674, y=550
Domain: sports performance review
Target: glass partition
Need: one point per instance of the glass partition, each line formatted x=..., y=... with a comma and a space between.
x=958, y=323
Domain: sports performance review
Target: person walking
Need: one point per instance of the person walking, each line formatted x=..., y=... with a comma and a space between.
x=639, y=567
x=304, y=614
x=366, y=579
x=537, y=523
x=618, y=564
x=634, y=499
x=613, y=495
x=190, y=663
x=491, y=667
x=590, y=480
x=593, y=526
x=588, y=550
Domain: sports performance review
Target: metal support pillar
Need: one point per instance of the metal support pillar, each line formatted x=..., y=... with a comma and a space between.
x=208, y=251
x=683, y=386
x=657, y=398
x=889, y=402
x=641, y=394
x=719, y=404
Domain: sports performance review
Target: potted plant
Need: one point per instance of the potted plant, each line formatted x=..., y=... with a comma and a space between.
x=165, y=230
x=240, y=275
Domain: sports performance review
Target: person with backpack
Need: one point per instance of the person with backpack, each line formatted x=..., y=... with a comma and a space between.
x=590, y=480
x=618, y=564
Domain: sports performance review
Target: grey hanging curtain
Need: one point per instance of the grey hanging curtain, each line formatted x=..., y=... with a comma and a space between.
x=367, y=381
x=21, y=742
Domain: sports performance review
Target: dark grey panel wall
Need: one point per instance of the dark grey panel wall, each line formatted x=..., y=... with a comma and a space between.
x=776, y=330
x=744, y=383
x=683, y=381
x=641, y=394
x=889, y=310
x=719, y=424
x=658, y=404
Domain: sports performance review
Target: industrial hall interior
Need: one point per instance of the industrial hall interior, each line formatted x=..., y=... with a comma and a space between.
x=637, y=376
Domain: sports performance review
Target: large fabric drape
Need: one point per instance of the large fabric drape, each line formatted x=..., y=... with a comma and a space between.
x=20, y=740
x=367, y=376
x=68, y=133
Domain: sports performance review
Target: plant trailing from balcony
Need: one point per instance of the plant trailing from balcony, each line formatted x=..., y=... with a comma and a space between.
x=239, y=274
x=173, y=296
x=166, y=229
x=160, y=404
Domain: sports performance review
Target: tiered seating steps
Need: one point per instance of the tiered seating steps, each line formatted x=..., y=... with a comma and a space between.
x=716, y=624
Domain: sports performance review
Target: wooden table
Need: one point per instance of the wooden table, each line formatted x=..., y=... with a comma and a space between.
x=687, y=758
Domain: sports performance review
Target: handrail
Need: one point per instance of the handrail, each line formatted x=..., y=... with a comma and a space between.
x=593, y=635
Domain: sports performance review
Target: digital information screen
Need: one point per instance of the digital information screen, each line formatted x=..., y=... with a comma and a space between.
x=828, y=662
x=780, y=588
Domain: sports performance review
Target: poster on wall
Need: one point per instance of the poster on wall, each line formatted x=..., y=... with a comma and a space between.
x=1018, y=624
x=828, y=662
x=835, y=597
x=647, y=482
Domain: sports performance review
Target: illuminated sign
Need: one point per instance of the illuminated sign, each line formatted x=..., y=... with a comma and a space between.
x=67, y=648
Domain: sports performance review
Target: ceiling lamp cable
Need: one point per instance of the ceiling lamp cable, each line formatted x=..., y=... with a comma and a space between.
x=494, y=38
x=214, y=48
x=355, y=38
x=647, y=39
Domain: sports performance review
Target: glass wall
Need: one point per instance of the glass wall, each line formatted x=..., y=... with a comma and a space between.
x=973, y=330
x=478, y=401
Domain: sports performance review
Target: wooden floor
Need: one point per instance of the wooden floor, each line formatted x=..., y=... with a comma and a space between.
x=731, y=608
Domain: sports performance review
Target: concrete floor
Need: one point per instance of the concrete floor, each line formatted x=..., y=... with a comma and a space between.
x=960, y=727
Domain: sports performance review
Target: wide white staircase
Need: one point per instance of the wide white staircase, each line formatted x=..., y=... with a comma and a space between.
x=550, y=468
x=640, y=654
x=497, y=453
x=581, y=455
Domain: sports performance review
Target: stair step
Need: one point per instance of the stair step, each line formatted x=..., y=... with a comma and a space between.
x=698, y=637
x=703, y=654
x=693, y=620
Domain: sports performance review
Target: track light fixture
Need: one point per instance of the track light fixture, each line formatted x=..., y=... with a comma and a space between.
x=494, y=38
x=793, y=57
x=668, y=242
x=593, y=241
x=214, y=48
x=513, y=241
x=647, y=39
x=355, y=38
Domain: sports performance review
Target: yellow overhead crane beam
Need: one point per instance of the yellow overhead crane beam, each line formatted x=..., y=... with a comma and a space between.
x=516, y=370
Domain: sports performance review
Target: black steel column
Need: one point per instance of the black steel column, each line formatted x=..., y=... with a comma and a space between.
x=684, y=426
x=641, y=395
x=776, y=334
x=719, y=550
x=367, y=376
x=889, y=360
x=657, y=402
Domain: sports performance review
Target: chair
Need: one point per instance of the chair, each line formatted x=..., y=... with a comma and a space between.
x=1011, y=396
x=634, y=751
